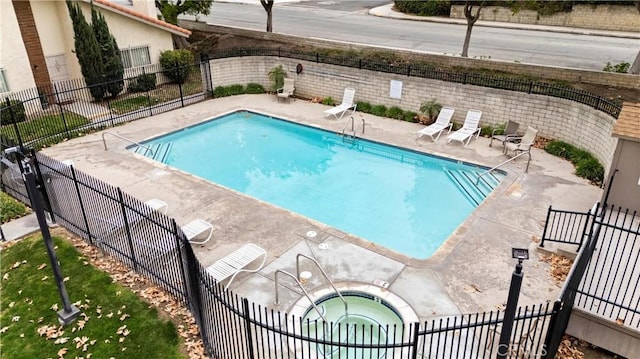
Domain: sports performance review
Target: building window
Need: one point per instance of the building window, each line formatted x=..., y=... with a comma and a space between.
x=135, y=56
x=4, y=85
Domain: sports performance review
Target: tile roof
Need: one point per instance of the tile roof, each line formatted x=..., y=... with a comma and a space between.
x=148, y=19
x=628, y=124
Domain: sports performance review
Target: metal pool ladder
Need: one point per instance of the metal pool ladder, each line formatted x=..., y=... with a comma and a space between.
x=353, y=128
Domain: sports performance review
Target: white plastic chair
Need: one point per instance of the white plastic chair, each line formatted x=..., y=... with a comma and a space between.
x=286, y=91
x=469, y=128
x=347, y=104
x=442, y=122
x=235, y=263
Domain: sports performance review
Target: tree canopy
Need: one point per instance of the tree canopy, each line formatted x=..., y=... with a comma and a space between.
x=171, y=9
x=113, y=70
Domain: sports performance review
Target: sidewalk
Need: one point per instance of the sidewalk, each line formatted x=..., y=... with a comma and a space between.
x=387, y=11
x=20, y=227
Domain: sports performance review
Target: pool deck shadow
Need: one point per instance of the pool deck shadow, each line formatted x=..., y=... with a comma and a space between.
x=469, y=273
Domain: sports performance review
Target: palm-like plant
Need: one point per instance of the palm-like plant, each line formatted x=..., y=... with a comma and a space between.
x=431, y=108
x=276, y=76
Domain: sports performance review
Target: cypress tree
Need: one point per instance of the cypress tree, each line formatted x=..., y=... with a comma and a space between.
x=111, y=60
x=87, y=52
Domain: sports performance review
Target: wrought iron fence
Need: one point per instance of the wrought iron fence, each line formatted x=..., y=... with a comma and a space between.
x=599, y=103
x=609, y=286
x=66, y=109
x=231, y=326
x=566, y=227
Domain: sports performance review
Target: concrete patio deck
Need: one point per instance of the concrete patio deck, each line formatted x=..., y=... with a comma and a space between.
x=469, y=273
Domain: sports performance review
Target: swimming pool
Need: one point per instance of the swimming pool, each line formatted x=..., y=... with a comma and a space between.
x=403, y=200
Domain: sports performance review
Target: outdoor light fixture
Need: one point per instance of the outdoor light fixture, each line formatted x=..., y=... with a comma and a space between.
x=520, y=254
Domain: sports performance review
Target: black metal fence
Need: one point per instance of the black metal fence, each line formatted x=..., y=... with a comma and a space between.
x=39, y=117
x=431, y=72
x=605, y=276
x=566, y=227
x=232, y=327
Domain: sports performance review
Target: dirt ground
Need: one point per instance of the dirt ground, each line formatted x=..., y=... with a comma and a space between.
x=204, y=42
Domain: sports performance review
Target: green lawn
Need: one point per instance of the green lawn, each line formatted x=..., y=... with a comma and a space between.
x=114, y=322
x=44, y=126
x=133, y=103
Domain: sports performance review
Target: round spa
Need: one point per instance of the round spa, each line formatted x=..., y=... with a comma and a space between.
x=372, y=315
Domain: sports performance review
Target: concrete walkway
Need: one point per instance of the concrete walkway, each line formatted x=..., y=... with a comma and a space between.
x=21, y=227
x=387, y=11
x=469, y=273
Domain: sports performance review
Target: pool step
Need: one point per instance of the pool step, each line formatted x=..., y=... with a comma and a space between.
x=476, y=190
x=156, y=151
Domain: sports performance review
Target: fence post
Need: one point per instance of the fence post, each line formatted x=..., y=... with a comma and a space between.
x=414, y=353
x=530, y=87
x=317, y=57
x=247, y=325
x=180, y=81
x=510, y=311
x=550, y=330
x=544, y=231
x=64, y=121
x=127, y=229
x=409, y=71
x=148, y=95
x=41, y=187
x=464, y=78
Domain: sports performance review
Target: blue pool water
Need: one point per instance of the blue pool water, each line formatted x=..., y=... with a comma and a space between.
x=399, y=199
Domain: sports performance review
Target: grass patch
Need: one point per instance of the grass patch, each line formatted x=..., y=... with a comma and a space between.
x=114, y=322
x=587, y=166
x=10, y=208
x=44, y=126
x=131, y=104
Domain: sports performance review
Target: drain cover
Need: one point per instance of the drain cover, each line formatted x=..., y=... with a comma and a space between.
x=312, y=234
x=323, y=246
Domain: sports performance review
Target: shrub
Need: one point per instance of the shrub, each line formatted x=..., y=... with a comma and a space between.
x=254, y=88
x=328, y=101
x=395, y=112
x=176, y=64
x=142, y=83
x=15, y=106
x=220, y=91
x=424, y=8
x=235, y=90
x=363, y=106
x=10, y=208
x=590, y=169
x=486, y=130
x=379, y=110
x=560, y=149
x=622, y=67
x=431, y=108
x=410, y=116
x=587, y=166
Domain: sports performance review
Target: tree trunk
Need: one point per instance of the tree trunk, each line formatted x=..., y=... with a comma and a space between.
x=471, y=20
x=268, y=7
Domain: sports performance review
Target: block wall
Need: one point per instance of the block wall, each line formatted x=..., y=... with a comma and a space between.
x=554, y=118
x=601, y=17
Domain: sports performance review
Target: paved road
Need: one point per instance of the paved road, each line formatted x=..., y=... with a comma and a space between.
x=348, y=21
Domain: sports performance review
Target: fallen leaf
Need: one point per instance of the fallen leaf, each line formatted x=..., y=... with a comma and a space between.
x=43, y=265
x=619, y=321
x=62, y=352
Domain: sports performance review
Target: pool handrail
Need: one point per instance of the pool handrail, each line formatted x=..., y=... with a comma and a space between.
x=503, y=163
x=104, y=142
x=277, y=301
x=346, y=307
x=353, y=128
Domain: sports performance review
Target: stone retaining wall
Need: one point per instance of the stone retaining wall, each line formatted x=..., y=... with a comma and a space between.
x=601, y=17
x=554, y=117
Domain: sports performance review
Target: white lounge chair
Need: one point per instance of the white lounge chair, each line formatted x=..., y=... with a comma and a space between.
x=235, y=262
x=286, y=91
x=196, y=228
x=469, y=128
x=442, y=122
x=347, y=104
